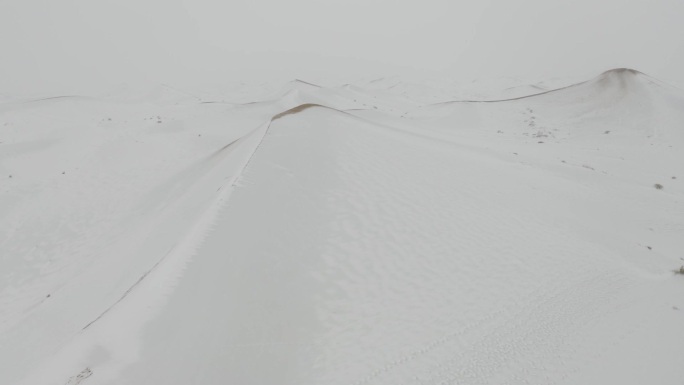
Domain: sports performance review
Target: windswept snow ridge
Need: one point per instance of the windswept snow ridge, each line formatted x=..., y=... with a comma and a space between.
x=360, y=234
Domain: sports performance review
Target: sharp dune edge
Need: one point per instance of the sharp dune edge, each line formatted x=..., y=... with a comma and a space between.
x=344, y=235
x=620, y=77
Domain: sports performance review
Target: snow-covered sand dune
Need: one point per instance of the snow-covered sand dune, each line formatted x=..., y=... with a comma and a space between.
x=345, y=235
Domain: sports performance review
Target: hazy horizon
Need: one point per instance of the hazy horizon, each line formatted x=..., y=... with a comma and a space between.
x=76, y=46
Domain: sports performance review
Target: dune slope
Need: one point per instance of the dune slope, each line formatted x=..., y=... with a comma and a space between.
x=315, y=239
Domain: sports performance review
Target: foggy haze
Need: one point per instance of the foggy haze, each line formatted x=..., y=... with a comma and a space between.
x=79, y=46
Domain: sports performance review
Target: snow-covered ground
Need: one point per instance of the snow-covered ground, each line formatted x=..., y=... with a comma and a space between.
x=385, y=232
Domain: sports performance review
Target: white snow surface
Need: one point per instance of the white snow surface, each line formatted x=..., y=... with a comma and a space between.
x=385, y=232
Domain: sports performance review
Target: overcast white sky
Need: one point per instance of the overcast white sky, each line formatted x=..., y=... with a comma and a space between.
x=79, y=46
